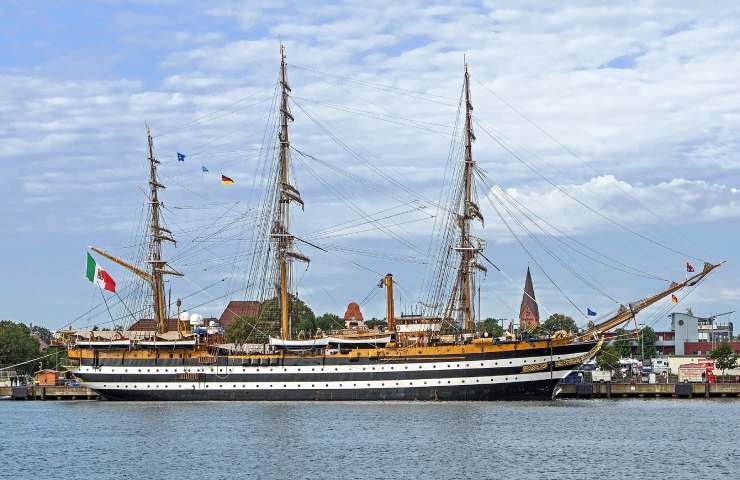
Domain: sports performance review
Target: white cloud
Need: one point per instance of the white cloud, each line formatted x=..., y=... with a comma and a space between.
x=675, y=202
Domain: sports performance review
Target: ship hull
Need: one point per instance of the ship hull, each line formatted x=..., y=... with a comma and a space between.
x=525, y=374
x=536, y=390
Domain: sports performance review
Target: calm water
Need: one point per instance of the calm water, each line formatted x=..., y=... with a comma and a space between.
x=589, y=439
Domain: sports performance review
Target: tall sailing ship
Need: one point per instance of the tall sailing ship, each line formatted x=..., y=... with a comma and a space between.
x=439, y=356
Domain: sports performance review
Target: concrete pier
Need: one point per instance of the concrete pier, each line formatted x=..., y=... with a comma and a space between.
x=44, y=392
x=646, y=390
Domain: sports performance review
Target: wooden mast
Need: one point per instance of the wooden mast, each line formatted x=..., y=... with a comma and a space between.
x=287, y=193
x=467, y=249
x=156, y=235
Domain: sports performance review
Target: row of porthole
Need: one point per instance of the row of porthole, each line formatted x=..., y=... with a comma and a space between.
x=336, y=369
x=200, y=370
x=439, y=382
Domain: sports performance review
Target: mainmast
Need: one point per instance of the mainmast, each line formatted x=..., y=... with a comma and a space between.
x=157, y=233
x=469, y=246
x=287, y=193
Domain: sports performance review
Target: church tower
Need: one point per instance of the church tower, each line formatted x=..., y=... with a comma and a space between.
x=529, y=314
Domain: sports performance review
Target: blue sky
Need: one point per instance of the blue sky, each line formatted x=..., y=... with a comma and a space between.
x=641, y=99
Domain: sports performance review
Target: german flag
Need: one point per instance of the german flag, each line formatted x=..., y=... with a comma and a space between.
x=226, y=180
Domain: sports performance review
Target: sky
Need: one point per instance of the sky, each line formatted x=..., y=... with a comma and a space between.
x=632, y=108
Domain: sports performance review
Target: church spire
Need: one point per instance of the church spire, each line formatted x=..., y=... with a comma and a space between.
x=529, y=314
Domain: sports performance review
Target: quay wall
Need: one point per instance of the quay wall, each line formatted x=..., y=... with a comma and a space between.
x=646, y=390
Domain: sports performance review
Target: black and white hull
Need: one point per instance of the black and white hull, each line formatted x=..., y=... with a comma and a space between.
x=509, y=375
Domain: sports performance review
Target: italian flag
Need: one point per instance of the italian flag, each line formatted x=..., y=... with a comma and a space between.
x=99, y=276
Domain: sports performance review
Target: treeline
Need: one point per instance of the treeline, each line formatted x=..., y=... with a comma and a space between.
x=19, y=343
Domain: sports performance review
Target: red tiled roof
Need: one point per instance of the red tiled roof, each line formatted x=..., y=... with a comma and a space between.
x=353, y=312
x=149, y=324
x=239, y=308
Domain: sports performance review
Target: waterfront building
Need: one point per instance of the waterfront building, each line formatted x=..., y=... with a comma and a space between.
x=689, y=335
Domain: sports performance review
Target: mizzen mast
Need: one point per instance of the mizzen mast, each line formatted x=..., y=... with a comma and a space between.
x=469, y=246
x=286, y=193
x=157, y=234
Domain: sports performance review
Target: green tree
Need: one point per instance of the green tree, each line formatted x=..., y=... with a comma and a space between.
x=623, y=342
x=558, y=321
x=268, y=318
x=17, y=346
x=42, y=333
x=376, y=323
x=608, y=358
x=329, y=321
x=491, y=326
x=646, y=343
x=724, y=357
x=242, y=330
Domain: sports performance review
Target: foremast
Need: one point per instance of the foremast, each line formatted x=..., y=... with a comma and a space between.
x=469, y=246
x=287, y=193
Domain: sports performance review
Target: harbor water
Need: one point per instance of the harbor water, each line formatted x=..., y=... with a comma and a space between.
x=570, y=439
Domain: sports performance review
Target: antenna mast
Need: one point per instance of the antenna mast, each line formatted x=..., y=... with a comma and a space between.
x=287, y=193
x=156, y=235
